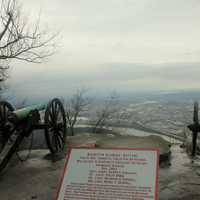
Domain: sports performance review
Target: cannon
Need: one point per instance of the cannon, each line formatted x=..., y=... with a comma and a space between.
x=195, y=128
x=16, y=125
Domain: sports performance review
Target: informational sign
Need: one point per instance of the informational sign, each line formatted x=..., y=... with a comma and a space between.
x=110, y=174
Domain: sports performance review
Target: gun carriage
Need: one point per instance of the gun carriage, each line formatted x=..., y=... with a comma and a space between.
x=195, y=128
x=16, y=125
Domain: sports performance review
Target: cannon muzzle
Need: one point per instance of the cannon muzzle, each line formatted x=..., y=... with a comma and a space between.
x=23, y=113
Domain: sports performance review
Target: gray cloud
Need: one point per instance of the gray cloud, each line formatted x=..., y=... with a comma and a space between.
x=116, y=43
x=122, y=72
x=135, y=71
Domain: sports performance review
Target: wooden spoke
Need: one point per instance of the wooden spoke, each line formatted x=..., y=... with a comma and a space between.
x=5, y=108
x=59, y=134
x=196, y=113
x=59, y=141
x=50, y=115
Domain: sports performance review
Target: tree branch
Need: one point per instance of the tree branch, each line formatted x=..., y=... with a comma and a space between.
x=20, y=41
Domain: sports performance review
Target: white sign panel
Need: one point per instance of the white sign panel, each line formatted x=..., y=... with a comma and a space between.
x=110, y=174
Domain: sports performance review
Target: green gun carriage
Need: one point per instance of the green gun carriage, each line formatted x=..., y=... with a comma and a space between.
x=16, y=125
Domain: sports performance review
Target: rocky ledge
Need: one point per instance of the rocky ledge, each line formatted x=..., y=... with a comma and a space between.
x=116, y=141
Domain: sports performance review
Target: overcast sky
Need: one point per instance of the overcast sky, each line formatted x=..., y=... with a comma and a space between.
x=117, y=44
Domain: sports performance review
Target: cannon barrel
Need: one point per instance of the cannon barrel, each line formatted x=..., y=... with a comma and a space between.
x=21, y=114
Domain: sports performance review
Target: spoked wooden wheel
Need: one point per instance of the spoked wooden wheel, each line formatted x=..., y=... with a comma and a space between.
x=196, y=113
x=5, y=108
x=195, y=127
x=55, y=121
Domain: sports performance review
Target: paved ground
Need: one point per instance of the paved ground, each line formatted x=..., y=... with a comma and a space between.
x=38, y=177
x=181, y=180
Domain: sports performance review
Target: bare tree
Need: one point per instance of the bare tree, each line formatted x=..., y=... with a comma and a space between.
x=75, y=106
x=20, y=40
x=106, y=112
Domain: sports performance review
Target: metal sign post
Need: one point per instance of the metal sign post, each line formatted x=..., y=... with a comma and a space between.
x=195, y=128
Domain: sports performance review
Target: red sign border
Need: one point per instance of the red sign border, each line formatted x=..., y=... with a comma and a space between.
x=128, y=149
